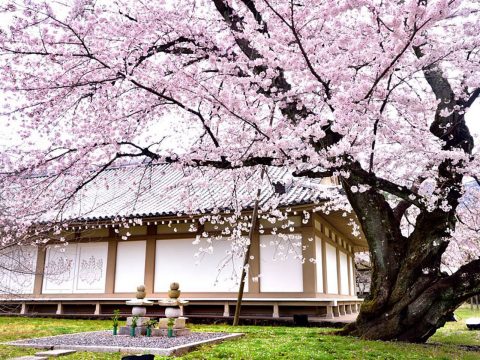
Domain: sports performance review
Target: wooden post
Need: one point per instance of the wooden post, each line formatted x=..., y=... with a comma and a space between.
x=111, y=264
x=226, y=310
x=349, y=271
x=276, y=311
x=324, y=266
x=339, y=277
x=150, y=260
x=246, y=259
x=308, y=267
x=59, y=309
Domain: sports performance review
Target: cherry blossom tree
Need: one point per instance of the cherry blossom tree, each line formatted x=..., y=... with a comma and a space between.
x=373, y=92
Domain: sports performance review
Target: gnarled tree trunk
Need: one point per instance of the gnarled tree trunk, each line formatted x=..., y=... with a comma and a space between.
x=410, y=296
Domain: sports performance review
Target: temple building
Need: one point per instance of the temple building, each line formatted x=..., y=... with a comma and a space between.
x=300, y=264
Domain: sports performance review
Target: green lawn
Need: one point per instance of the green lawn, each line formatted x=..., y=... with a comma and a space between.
x=266, y=342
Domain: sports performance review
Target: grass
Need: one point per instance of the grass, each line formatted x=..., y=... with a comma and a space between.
x=456, y=333
x=265, y=342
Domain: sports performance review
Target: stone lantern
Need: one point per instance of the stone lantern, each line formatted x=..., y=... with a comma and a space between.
x=173, y=310
x=139, y=309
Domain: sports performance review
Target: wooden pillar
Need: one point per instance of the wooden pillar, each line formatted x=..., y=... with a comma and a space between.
x=324, y=264
x=59, y=309
x=349, y=269
x=348, y=308
x=98, y=309
x=339, y=277
x=226, y=310
x=39, y=270
x=329, y=314
x=308, y=267
x=150, y=260
x=276, y=311
x=111, y=263
x=23, y=309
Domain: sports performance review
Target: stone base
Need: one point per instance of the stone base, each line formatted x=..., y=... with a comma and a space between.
x=141, y=321
x=164, y=332
x=142, y=331
x=139, y=330
x=178, y=324
x=55, y=353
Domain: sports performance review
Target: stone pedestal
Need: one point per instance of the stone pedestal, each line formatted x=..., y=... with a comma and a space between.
x=141, y=321
x=176, y=332
x=139, y=330
x=178, y=324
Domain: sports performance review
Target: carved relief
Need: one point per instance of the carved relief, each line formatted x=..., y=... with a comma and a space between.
x=77, y=268
x=17, y=269
x=91, y=270
x=23, y=268
x=59, y=271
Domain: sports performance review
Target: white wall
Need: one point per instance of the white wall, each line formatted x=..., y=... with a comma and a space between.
x=318, y=265
x=331, y=268
x=344, y=273
x=17, y=270
x=280, y=271
x=212, y=270
x=75, y=268
x=130, y=265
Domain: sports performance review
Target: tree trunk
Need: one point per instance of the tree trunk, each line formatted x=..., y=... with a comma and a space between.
x=418, y=312
x=246, y=259
x=410, y=296
x=413, y=318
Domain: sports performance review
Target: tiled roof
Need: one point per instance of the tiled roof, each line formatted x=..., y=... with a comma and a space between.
x=161, y=190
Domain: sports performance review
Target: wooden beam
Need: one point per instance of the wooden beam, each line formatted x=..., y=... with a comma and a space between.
x=150, y=260
x=111, y=263
x=308, y=267
x=349, y=269
x=339, y=277
x=324, y=266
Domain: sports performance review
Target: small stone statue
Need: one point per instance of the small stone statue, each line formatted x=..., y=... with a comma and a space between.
x=141, y=292
x=174, y=293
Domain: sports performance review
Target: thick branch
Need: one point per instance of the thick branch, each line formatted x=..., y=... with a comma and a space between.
x=464, y=283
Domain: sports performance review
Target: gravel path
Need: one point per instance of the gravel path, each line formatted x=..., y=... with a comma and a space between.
x=105, y=338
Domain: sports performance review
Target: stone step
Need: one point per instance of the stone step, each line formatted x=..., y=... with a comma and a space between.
x=30, y=357
x=55, y=353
